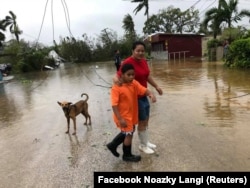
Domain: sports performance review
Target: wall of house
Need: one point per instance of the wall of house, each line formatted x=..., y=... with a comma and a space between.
x=219, y=53
x=176, y=46
x=190, y=44
x=161, y=55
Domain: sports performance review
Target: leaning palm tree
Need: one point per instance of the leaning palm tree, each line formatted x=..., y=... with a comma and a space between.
x=142, y=4
x=129, y=27
x=2, y=35
x=13, y=26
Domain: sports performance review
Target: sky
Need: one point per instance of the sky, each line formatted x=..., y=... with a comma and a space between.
x=48, y=20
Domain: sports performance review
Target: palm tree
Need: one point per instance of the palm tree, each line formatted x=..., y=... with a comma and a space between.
x=129, y=27
x=142, y=4
x=2, y=35
x=230, y=12
x=226, y=12
x=214, y=16
x=11, y=22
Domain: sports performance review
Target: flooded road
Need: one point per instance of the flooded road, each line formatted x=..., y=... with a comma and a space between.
x=200, y=123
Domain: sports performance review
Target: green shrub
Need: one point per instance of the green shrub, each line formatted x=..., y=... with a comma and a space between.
x=238, y=54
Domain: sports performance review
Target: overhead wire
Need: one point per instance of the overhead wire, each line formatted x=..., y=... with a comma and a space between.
x=204, y=2
x=102, y=78
x=40, y=31
x=66, y=14
x=42, y=23
x=67, y=18
x=207, y=7
x=52, y=18
x=195, y=3
x=84, y=73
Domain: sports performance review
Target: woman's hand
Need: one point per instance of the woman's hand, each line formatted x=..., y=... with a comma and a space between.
x=159, y=90
x=153, y=83
x=117, y=80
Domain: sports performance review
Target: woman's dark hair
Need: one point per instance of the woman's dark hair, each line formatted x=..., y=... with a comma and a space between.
x=125, y=67
x=136, y=43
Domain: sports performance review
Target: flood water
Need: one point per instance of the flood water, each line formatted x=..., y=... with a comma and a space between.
x=200, y=123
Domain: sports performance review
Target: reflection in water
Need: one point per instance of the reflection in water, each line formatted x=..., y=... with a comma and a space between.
x=229, y=85
x=78, y=145
x=223, y=92
x=217, y=89
x=74, y=150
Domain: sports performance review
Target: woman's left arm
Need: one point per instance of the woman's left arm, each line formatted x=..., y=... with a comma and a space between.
x=153, y=83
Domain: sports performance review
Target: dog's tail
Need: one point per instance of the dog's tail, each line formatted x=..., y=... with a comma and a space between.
x=87, y=97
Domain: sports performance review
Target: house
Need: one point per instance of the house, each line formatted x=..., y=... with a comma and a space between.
x=175, y=46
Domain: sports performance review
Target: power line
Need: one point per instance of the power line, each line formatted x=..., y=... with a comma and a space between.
x=84, y=73
x=207, y=7
x=66, y=13
x=52, y=17
x=204, y=2
x=42, y=22
x=195, y=3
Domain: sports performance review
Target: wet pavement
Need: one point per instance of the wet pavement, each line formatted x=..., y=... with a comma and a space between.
x=200, y=123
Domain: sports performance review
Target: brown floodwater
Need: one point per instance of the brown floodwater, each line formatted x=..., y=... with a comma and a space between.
x=200, y=123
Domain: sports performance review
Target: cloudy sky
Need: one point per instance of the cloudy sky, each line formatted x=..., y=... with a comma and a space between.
x=45, y=20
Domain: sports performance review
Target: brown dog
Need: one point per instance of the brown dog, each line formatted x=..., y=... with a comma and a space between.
x=72, y=110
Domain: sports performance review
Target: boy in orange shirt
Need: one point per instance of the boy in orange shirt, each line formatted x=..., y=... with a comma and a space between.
x=124, y=100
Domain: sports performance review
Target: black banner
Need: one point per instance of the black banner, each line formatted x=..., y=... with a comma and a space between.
x=172, y=179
